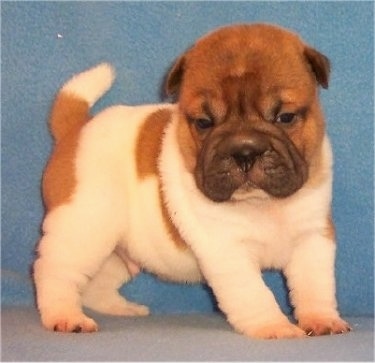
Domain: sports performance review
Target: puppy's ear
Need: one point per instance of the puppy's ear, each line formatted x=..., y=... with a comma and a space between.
x=174, y=77
x=320, y=65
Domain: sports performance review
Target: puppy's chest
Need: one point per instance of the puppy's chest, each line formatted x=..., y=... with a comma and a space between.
x=268, y=235
x=273, y=246
x=271, y=239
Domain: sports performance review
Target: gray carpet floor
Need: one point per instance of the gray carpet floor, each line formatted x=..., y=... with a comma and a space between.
x=172, y=338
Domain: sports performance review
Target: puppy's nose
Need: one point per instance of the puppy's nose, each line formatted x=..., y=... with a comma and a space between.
x=246, y=150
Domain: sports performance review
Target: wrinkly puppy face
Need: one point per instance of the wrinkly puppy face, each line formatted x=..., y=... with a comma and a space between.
x=249, y=112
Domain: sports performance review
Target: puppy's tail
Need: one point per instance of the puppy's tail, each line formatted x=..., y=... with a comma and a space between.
x=71, y=108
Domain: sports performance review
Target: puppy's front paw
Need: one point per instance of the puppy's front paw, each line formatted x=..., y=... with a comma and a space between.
x=70, y=324
x=323, y=325
x=277, y=330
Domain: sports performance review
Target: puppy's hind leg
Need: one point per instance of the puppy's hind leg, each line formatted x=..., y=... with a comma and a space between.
x=101, y=293
x=77, y=240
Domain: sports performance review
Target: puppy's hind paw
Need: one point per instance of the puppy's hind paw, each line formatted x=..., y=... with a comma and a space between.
x=126, y=308
x=133, y=309
x=114, y=304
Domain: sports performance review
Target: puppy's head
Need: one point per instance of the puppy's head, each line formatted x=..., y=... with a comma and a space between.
x=249, y=111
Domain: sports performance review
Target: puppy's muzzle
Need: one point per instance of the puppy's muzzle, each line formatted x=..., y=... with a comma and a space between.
x=247, y=161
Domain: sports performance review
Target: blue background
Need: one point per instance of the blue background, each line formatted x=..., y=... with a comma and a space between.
x=44, y=43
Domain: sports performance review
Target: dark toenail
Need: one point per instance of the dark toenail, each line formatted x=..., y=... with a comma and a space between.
x=77, y=329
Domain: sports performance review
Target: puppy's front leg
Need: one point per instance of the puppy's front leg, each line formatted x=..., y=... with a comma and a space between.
x=311, y=280
x=243, y=296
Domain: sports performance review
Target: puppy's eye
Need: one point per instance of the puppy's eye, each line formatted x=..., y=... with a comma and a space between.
x=203, y=123
x=286, y=118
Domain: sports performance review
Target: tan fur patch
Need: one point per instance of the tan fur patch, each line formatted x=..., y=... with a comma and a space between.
x=59, y=176
x=68, y=111
x=187, y=144
x=147, y=153
x=68, y=116
x=318, y=169
x=330, y=231
x=172, y=230
x=149, y=143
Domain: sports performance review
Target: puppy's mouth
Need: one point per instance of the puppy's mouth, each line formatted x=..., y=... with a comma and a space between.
x=242, y=165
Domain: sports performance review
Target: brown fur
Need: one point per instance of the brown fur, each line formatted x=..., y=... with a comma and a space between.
x=147, y=154
x=149, y=143
x=242, y=81
x=68, y=112
x=68, y=116
x=172, y=230
x=187, y=145
x=330, y=231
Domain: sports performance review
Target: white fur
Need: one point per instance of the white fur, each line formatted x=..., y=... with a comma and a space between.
x=230, y=243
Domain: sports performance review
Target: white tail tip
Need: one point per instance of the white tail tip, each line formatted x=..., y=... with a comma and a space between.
x=91, y=84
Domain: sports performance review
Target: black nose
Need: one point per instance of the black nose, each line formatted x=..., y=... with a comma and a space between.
x=245, y=150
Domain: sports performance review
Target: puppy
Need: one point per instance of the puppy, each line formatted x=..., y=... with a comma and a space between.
x=233, y=178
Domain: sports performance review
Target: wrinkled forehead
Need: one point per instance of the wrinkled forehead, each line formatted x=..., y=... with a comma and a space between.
x=250, y=76
x=269, y=58
x=243, y=96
